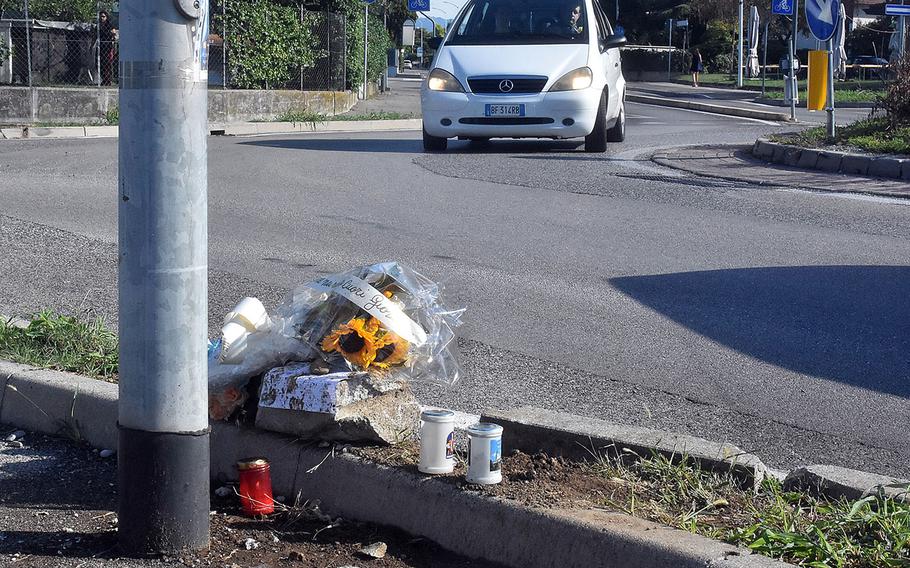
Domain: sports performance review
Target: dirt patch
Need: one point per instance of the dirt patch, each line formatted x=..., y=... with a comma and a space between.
x=535, y=481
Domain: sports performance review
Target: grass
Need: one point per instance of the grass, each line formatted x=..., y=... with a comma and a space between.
x=61, y=342
x=308, y=116
x=792, y=526
x=870, y=135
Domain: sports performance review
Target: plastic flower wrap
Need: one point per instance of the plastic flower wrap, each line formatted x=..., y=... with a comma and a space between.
x=379, y=318
x=383, y=319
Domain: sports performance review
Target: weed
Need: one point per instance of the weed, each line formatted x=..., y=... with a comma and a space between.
x=797, y=527
x=62, y=342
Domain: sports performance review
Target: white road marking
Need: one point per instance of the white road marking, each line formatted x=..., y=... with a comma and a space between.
x=758, y=120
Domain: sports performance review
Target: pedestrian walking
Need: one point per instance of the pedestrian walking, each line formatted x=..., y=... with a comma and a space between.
x=696, y=67
x=107, y=34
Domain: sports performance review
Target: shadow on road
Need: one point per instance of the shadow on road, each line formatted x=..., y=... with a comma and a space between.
x=414, y=146
x=844, y=323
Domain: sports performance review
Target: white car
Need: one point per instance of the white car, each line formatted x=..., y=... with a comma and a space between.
x=526, y=68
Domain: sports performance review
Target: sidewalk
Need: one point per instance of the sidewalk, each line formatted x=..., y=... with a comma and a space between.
x=736, y=163
x=737, y=99
x=403, y=97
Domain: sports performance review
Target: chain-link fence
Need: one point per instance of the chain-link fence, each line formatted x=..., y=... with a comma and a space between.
x=253, y=44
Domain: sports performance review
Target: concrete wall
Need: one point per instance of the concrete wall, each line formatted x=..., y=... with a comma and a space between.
x=21, y=105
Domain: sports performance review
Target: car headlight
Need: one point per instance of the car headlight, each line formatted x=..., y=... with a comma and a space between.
x=441, y=80
x=580, y=78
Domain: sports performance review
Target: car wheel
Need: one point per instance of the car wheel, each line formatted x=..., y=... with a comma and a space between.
x=596, y=141
x=434, y=143
x=618, y=132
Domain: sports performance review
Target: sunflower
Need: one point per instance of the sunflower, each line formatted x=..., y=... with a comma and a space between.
x=355, y=341
x=390, y=350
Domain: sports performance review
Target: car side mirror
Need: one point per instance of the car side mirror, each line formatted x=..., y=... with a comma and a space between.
x=614, y=41
x=434, y=42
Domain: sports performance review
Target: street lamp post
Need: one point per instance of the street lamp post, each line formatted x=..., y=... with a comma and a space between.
x=163, y=458
x=739, y=71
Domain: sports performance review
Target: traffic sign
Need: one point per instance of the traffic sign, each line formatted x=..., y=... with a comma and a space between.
x=822, y=16
x=419, y=5
x=782, y=7
x=897, y=10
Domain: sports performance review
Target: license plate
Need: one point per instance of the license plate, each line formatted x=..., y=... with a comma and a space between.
x=504, y=110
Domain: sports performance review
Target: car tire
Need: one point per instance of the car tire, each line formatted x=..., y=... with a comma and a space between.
x=596, y=141
x=434, y=143
x=617, y=132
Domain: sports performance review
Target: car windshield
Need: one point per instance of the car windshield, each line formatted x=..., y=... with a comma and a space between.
x=498, y=22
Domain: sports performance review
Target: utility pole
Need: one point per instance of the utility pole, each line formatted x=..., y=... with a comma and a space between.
x=366, y=59
x=739, y=65
x=163, y=461
x=794, y=84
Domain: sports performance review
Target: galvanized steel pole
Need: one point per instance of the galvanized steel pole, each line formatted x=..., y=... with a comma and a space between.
x=163, y=466
x=830, y=109
x=794, y=84
x=366, y=60
x=739, y=59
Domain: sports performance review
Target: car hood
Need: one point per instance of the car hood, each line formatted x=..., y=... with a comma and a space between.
x=551, y=61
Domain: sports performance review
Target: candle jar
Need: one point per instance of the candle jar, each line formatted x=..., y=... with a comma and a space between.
x=255, y=487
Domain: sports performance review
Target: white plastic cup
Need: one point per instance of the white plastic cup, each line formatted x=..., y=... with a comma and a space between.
x=249, y=312
x=247, y=316
x=484, y=453
x=437, y=441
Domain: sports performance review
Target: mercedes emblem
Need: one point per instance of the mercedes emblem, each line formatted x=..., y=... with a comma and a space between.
x=506, y=86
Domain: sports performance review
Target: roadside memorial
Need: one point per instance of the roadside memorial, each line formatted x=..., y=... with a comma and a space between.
x=337, y=355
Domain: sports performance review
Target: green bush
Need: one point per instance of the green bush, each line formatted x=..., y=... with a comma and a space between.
x=268, y=43
x=379, y=44
x=722, y=63
x=643, y=59
x=896, y=101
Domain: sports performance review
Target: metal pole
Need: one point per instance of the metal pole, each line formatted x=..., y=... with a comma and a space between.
x=794, y=84
x=28, y=47
x=163, y=465
x=739, y=68
x=670, y=50
x=764, y=65
x=385, y=69
x=98, y=42
x=366, y=32
x=830, y=108
x=224, y=45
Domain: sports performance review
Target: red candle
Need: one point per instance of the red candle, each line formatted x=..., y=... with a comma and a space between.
x=255, y=487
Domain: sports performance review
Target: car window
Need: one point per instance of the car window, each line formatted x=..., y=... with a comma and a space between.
x=496, y=22
x=604, y=30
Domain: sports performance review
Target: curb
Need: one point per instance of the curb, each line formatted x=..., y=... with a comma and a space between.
x=463, y=521
x=216, y=129
x=708, y=107
x=832, y=161
x=802, y=104
x=534, y=430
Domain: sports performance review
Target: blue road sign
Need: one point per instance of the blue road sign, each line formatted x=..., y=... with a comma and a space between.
x=897, y=10
x=782, y=7
x=822, y=15
x=419, y=5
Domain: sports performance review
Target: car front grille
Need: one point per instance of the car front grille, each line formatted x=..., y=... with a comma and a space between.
x=506, y=120
x=526, y=85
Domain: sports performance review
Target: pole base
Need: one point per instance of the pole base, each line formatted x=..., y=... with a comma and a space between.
x=163, y=487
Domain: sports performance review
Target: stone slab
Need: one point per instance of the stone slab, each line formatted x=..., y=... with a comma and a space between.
x=533, y=430
x=829, y=161
x=885, y=167
x=808, y=158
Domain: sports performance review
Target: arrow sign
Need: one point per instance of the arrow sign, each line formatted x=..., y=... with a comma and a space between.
x=821, y=15
x=782, y=7
x=897, y=10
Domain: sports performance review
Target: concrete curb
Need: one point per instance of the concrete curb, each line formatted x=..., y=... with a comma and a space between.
x=840, y=482
x=802, y=104
x=463, y=521
x=708, y=107
x=232, y=129
x=559, y=434
x=832, y=161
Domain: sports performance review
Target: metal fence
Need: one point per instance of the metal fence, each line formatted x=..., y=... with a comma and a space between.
x=40, y=52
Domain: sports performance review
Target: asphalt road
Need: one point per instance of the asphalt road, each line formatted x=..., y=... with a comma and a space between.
x=601, y=285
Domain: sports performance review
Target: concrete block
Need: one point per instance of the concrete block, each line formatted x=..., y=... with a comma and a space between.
x=855, y=164
x=836, y=482
x=58, y=403
x=807, y=159
x=778, y=154
x=10, y=133
x=828, y=161
x=763, y=149
x=905, y=169
x=230, y=443
x=885, y=167
x=792, y=156
x=533, y=430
